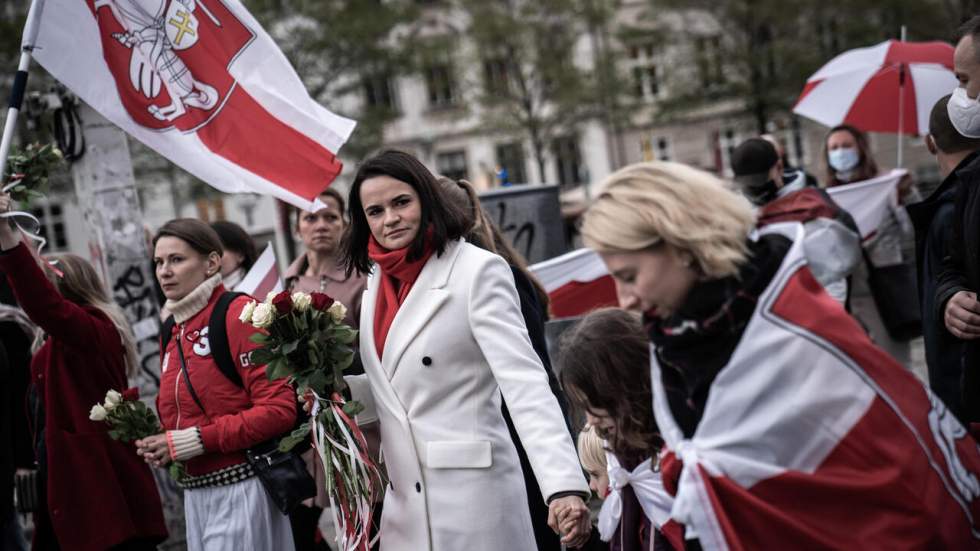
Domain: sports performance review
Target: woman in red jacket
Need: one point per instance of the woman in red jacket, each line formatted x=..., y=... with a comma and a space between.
x=98, y=494
x=210, y=421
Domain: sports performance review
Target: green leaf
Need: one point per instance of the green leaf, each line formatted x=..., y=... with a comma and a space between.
x=261, y=356
x=353, y=408
x=259, y=338
x=289, y=347
x=344, y=334
x=298, y=435
x=177, y=471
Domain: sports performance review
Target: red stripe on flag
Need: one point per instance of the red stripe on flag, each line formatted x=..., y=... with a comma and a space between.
x=249, y=136
x=267, y=284
x=577, y=298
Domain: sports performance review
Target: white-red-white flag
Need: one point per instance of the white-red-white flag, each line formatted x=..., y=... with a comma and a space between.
x=203, y=84
x=869, y=201
x=813, y=438
x=263, y=277
x=576, y=283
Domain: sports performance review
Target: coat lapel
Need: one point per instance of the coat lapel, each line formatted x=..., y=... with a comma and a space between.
x=380, y=387
x=423, y=301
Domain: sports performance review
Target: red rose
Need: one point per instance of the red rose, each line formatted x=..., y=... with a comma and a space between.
x=283, y=302
x=321, y=301
x=131, y=394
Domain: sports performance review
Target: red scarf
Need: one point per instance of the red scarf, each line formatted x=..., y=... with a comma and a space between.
x=394, y=265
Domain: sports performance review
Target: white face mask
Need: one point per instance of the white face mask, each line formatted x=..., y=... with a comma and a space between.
x=843, y=159
x=964, y=113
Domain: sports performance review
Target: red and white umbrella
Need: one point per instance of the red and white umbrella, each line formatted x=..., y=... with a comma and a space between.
x=866, y=87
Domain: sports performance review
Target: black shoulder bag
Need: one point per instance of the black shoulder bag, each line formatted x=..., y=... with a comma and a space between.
x=283, y=474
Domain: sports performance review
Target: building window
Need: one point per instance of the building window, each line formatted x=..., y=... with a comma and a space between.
x=452, y=164
x=510, y=158
x=568, y=161
x=497, y=72
x=52, y=228
x=440, y=84
x=643, y=67
x=379, y=92
x=709, y=58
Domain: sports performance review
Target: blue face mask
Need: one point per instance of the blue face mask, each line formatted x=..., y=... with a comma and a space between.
x=843, y=159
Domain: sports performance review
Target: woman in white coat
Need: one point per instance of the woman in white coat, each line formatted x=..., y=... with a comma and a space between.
x=442, y=342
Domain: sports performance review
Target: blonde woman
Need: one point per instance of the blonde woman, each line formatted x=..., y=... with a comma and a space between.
x=783, y=421
x=96, y=493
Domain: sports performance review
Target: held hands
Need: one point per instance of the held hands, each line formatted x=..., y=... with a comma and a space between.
x=154, y=450
x=569, y=517
x=962, y=316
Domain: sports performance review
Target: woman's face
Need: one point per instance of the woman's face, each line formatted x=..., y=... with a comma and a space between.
x=230, y=261
x=841, y=139
x=393, y=211
x=656, y=279
x=179, y=268
x=320, y=231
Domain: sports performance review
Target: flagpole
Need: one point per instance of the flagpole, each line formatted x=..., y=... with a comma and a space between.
x=31, y=28
x=901, y=101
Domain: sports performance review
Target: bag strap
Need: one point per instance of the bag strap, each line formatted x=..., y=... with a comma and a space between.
x=187, y=378
x=166, y=332
x=218, y=338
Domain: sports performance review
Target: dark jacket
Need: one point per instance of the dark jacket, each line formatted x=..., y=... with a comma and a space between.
x=99, y=492
x=961, y=272
x=535, y=315
x=933, y=220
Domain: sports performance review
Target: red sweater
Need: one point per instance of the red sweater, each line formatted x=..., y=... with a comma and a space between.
x=237, y=418
x=100, y=493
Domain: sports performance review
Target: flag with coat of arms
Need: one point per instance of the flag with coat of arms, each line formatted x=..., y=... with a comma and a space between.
x=203, y=84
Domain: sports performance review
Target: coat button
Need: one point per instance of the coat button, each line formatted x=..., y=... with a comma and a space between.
x=426, y=361
x=418, y=487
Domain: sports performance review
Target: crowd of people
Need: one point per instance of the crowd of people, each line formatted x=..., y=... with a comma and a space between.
x=751, y=390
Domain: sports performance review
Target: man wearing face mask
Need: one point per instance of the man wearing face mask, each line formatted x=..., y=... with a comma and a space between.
x=832, y=243
x=933, y=221
x=959, y=279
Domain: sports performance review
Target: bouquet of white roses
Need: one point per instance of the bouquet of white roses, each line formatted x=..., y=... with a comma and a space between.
x=129, y=419
x=305, y=340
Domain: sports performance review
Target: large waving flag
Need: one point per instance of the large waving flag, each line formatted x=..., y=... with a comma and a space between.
x=576, y=283
x=813, y=438
x=869, y=201
x=203, y=84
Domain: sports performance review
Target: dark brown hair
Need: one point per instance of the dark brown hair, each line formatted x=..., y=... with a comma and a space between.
x=970, y=27
x=331, y=193
x=235, y=238
x=604, y=363
x=485, y=233
x=438, y=214
x=199, y=235
x=866, y=168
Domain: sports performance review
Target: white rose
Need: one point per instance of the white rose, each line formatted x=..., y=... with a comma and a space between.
x=246, y=316
x=112, y=399
x=98, y=413
x=302, y=301
x=270, y=296
x=263, y=315
x=337, y=311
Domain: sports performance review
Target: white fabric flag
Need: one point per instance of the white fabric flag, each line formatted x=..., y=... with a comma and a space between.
x=263, y=277
x=200, y=82
x=869, y=201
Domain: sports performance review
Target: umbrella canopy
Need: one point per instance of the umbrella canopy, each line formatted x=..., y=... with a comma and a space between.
x=865, y=87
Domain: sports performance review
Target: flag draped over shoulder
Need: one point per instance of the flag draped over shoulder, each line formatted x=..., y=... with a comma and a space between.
x=203, y=84
x=812, y=438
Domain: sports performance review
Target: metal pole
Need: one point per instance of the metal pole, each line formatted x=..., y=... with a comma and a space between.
x=31, y=28
x=901, y=104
